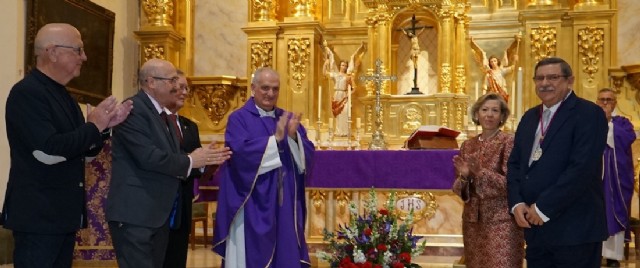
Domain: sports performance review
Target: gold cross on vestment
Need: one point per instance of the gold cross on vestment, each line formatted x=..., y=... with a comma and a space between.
x=377, y=139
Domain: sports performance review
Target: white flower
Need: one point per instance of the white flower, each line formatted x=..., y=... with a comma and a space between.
x=323, y=255
x=358, y=257
x=386, y=258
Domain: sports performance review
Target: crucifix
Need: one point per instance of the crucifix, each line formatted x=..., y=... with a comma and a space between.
x=377, y=138
x=415, y=49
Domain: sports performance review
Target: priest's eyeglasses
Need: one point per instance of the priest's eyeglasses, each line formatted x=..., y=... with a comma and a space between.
x=549, y=77
x=606, y=100
x=172, y=80
x=79, y=50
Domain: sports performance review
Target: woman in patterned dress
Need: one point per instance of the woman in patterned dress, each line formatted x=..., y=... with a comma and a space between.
x=491, y=235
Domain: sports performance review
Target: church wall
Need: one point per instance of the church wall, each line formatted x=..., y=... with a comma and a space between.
x=628, y=34
x=220, y=45
x=11, y=14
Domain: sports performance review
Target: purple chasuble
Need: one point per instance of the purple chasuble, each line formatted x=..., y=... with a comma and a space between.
x=618, y=176
x=274, y=226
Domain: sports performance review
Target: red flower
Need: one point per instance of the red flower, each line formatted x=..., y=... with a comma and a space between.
x=384, y=211
x=367, y=231
x=366, y=265
x=397, y=265
x=404, y=257
x=382, y=247
x=345, y=262
x=377, y=266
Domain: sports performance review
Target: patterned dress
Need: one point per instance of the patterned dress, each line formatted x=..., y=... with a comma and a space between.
x=491, y=236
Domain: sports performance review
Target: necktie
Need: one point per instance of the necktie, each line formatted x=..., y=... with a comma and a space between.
x=173, y=121
x=546, y=118
x=174, y=216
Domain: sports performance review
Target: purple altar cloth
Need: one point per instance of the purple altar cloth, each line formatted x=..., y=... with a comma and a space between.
x=414, y=169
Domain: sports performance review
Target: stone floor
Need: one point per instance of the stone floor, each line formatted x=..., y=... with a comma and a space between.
x=204, y=258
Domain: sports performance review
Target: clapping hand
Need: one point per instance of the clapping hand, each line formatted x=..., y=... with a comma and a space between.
x=288, y=123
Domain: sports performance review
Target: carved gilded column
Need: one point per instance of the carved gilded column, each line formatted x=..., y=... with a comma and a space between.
x=446, y=54
x=158, y=12
x=158, y=36
x=264, y=10
x=303, y=8
x=461, y=47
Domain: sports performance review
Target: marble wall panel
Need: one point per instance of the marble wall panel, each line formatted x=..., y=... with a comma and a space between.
x=220, y=45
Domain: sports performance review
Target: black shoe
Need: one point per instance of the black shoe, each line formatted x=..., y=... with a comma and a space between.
x=613, y=263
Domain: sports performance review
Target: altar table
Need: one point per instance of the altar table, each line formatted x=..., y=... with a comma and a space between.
x=401, y=169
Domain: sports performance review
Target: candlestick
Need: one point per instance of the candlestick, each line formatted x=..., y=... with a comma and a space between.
x=512, y=97
x=358, y=122
x=519, y=94
x=477, y=96
x=349, y=101
x=319, y=101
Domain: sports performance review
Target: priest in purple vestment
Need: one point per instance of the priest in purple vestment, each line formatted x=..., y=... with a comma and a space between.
x=618, y=178
x=261, y=203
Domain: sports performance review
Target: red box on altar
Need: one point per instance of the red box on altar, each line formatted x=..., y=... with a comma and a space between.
x=432, y=137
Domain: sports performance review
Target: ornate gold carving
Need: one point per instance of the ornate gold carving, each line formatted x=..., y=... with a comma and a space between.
x=590, y=43
x=543, y=42
x=461, y=79
x=158, y=12
x=265, y=10
x=444, y=113
x=460, y=111
x=342, y=200
x=412, y=119
x=299, y=53
x=317, y=199
x=261, y=55
x=542, y=2
x=581, y=3
x=215, y=99
x=153, y=51
x=445, y=77
x=379, y=14
x=303, y=8
x=423, y=204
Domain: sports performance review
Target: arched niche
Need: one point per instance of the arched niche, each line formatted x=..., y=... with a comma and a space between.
x=400, y=51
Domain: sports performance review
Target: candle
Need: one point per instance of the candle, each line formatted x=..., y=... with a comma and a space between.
x=358, y=122
x=519, y=94
x=331, y=122
x=477, y=96
x=319, y=101
x=349, y=101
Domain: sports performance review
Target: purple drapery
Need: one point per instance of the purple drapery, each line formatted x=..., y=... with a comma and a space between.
x=414, y=169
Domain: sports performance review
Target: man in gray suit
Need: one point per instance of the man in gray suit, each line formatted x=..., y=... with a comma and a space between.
x=148, y=167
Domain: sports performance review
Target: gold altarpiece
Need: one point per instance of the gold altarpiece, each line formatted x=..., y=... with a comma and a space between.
x=288, y=35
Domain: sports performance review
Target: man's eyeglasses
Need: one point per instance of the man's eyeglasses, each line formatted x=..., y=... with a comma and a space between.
x=171, y=80
x=606, y=100
x=549, y=77
x=79, y=50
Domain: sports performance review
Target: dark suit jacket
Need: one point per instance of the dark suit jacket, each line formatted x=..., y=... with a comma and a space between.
x=42, y=117
x=190, y=142
x=147, y=167
x=566, y=182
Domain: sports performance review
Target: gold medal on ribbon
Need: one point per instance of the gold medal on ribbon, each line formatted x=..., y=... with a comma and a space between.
x=537, y=154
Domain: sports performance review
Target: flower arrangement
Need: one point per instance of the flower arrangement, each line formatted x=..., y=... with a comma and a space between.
x=374, y=239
